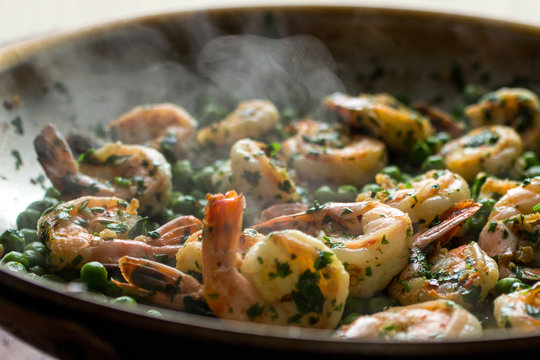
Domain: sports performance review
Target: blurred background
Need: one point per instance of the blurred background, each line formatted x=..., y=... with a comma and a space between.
x=26, y=19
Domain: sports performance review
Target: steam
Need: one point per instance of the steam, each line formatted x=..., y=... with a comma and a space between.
x=296, y=71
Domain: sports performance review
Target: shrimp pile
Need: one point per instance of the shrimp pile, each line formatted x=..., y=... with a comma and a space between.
x=369, y=217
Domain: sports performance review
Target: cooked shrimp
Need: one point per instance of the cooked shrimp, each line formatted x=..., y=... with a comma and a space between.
x=166, y=127
x=512, y=231
x=371, y=238
x=514, y=107
x=382, y=116
x=98, y=229
x=519, y=310
x=322, y=154
x=425, y=198
x=159, y=284
x=256, y=174
x=288, y=278
x=250, y=119
x=464, y=275
x=492, y=149
x=126, y=171
x=494, y=188
x=432, y=320
x=189, y=256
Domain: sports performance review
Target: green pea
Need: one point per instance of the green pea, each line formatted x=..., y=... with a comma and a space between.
x=96, y=295
x=350, y=318
x=355, y=305
x=15, y=256
x=324, y=194
x=419, y=152
x=37, y=246
x=33, y=276
x=155, y=313
x=53, y=277
x=531, y=172
x=478, y=183
x=394, y=172
x=203, y=179
x=34, y=257
x=168, y=214
x=94, y=274
x=372, y=189
x=44, y=204
x=124, y=300
x=12, y=240
x=505, y=286
x=15, y=267
x=182, y=173
x=28, y=219
x=184, y=204
x=212, y=112
x=38, y=270
x=444, y=137
x=30, y=235
x=530, y=159
x=198, y=194
x=347, y=193
x=52, y=192
x=433, y=162
x=434, y=143
x=112, y=290
x=379, y=303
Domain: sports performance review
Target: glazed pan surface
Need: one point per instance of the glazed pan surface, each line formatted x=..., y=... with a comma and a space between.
x=291, y=55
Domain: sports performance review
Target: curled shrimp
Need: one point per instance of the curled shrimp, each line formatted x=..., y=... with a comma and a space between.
x=431, y=320
x=382, y=116
x=464, y=275
x=99, y=229
x=424, y=198
x=492, y=149
x=166, y=127
x=126, y=171
x=287, y=278
x=511, y=232
x=519, y=310
x=256, y=174
x=160, y=284
x=250, y=119
x=514, y=107
x=371, y=238
x=320, y=153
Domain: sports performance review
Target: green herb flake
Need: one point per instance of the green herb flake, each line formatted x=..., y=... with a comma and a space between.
x=119, y=228
x=77, y=260
x=254, y=311
x=308, y=297
x=282, y=270
x=368, y=271
x=384, y=241
x=18, y=160
x=17, y=124
x=346, y=211
x=252, y=177
x=323, y=260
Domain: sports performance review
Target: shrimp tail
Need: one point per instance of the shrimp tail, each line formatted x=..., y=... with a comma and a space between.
x=175, y=232
x=55, y=156
x=222, y=226
x=166, y=285
x=450, y=223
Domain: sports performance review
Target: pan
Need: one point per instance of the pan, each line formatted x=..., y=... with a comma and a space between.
x=291, y=55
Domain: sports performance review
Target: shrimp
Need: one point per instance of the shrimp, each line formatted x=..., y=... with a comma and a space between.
x=166, y=127
x=424, y=198
x=159, y=284
x=371, y=238
x=382, y=116
x=99, y=229
x=432, y=320
x=287, y=278
x=464, y=275
x=514, y=107
x=250, y=119
x=125, y=171
x=256, y=174
x=512, y=230
x=519, y=310
x=493, y=149
x=320, y=153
